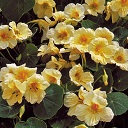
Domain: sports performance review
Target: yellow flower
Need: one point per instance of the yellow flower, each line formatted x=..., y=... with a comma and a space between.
x=94, y=7
x=120, y=7
x=44, y=8
x=57, y=64
x=110, y=13
x=13, y=92
x=94, y=110
x=61, y=33
x=21, y=30
x=50, y=49
x=3, y=72
x=52, y=76
x=7, y=37
x=79, y=77
x=22, y=73
x=82, y=38
x=81, y=126
x=35, y=86
x=101, y=51
x=74, y=12
x=121, y=58
x=104, y=33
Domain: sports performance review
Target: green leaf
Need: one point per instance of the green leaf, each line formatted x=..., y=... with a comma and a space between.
x=120, y=80
x=89, y=24
x=50, y=104
x=7, y=111
x=98, y=79
x=29, y=55
x=118, y=102
x=32, y=122
x=14, y=9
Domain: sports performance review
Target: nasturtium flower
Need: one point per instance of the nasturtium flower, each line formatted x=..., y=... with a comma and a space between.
x=52, y=76
x=74, y=12
x=82, y=38
x=50, y=49
x=7, y=37
x=104, y=33
x=101, y=51
x=61, y=33
x=81, y=126
x=22, y=73
x=120, y=7
x=79, y=77
x=93, y=7
x=121, y=58
x=13, y=92
x=94, y=110
x=3, y=72
x=44, y=8
x=109, y=13
x=21, y=30
x=35, y=88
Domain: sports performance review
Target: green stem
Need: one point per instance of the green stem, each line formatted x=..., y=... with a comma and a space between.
x=11, y=55
x=97, y=64
x=2, y=55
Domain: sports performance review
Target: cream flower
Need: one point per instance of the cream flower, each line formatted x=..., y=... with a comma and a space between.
x=13, y=92
x=110, y=13
x=7, y=37
x=104, y=33
x=79, y=77
x=22, y=73
x=121, y=58
x=44, y=8
x=101, y=51
x=52, y=76
x=21, y=30
x=35, y=88
x=3, y=72
x=61, y=33
x=120, y=7
x=94, y=110
x=74, y=12
x=50, y=49
x=94, y=7
x=82, y=38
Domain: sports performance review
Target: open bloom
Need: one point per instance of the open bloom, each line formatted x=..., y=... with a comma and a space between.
x=81, y=126
x=94, y=7
x=79, y=77
x=81, y=39
x=101, y=51
x=52, y=76
x=13, y=92
x=121, y=58
x=61, y=33
x=94, y=110
x=44, y=8
x=7, y=37
x=21, y=30
x=35, y=88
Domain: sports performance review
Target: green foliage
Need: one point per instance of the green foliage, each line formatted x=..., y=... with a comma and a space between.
x=118, y=102
x=32, y=122
x=14, y=9
x=52, y=102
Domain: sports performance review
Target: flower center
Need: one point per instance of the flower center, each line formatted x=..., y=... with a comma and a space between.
x=22, y=76
x=62, y=35
x=45, y=5
x=98, y=49
x=94, y=107
x=94, y=5
x=52, y=79
x=83, y=39
x=33, y=87
x=120, y=59
x=75, y=14
x=4, y=36
x=124, y=2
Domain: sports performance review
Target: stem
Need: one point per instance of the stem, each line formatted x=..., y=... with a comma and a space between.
x=97, y=66
x=11, y=55
x=2, y=55
x=83, y=60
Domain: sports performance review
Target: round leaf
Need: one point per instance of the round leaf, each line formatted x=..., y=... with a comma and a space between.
x=29, y=55
x=120, y=80
x=118, y=102
x=32, y=122
x=50, y=104
x=15, y=7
